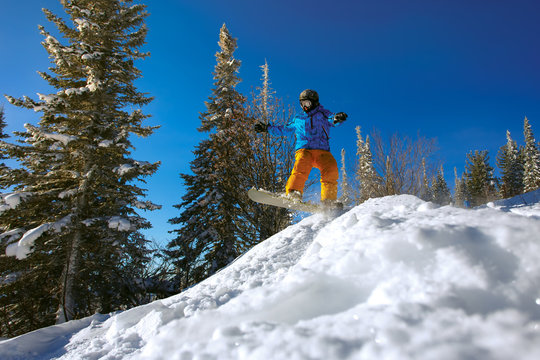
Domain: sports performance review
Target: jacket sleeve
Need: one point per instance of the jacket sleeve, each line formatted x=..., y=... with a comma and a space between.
x=280, y=130
x=330, y=116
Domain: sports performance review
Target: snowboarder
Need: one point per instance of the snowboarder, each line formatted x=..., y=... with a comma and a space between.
x=312, y=130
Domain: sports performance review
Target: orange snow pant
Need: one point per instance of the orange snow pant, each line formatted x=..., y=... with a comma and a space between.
x=322, y=160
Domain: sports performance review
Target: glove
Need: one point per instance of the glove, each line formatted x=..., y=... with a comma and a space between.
x=261, y=127
x=340, y=117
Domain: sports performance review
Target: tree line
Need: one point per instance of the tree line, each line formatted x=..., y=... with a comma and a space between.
x=405, y=166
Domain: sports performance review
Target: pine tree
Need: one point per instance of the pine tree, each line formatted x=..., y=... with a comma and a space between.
x=71, y=219
x=460, y=190
x=270, y=161
x=425, y=189
x=3, y=125
x=510, y=163
x=266, y=94
x=4, y=171
x=347, y=196
x=479, y=178
x=440, y=191
x=366, y=176
x=215, y=190
x=531, y=172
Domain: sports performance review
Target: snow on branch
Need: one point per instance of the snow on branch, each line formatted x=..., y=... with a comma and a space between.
x=23, y=247
x=37, y=134
x=146, y=205
x=68, y=193
x=106, y=143
x=76, y=91
x=123, y=169
x=51, y=43
x=119, y=223
x=12, y=200
x=83, y=24
x=93, y=83
x=143, y=167
x=11, y=235
x=92, y=56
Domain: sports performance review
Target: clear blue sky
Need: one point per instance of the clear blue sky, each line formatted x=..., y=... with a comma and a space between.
x=463, y=71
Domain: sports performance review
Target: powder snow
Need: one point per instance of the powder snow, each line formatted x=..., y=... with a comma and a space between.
x=393, y=278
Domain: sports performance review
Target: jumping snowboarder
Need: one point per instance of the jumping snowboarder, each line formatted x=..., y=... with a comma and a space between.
x=312, y=131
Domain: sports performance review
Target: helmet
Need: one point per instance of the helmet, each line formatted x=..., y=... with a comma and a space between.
x=312, y=99
x=309, y=95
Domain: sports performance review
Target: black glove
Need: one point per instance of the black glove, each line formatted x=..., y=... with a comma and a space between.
x=340, y=117
x=261, y=127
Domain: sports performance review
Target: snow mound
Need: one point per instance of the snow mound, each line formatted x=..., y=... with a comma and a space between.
x=394, y=278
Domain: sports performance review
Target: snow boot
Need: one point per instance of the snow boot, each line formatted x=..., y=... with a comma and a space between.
x=294, y=195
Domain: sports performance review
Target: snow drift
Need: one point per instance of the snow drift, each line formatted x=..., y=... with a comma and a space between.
x=394, y=278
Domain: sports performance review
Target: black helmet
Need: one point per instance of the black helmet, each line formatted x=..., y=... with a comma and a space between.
x=309, y=94
x=312, y=96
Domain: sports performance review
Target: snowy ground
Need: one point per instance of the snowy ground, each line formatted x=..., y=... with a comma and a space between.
x=394, y=278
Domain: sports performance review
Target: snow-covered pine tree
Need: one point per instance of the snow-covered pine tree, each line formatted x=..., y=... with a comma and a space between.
x=425, y=189
x=479, y=178
x=72, y=218
x=510, y=163
x=347, y=196
x=3, y=125
x=366, y=176
x=266, y=93
x=3, y=168
x=8, y=265
x=439, y=189
x=460, y=190
x=270, y=162
x=207, y=239
x=531, y=171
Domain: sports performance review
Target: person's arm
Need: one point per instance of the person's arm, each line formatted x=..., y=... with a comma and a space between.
x=280, y=130
x=276, y=130
x=334, y=118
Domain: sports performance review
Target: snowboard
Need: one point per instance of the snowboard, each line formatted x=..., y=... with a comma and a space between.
x=269, y=198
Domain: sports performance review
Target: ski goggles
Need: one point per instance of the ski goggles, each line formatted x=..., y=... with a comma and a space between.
x=305, y=104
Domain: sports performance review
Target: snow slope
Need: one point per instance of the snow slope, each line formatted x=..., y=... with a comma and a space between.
x=394, y=278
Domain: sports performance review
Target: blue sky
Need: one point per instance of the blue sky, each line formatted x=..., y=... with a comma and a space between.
x=463, y=71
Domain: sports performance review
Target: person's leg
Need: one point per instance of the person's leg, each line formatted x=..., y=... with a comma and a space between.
x=300, y=173
x=326, y=163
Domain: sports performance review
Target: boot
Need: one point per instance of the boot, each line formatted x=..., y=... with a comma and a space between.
x=295, y=195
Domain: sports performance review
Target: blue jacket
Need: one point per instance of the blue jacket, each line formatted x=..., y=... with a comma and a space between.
x=312, y=130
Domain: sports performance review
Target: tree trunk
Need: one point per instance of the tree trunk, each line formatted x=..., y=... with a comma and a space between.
x=67, y=309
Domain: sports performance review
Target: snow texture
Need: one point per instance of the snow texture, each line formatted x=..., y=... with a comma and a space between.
x=393, y=278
